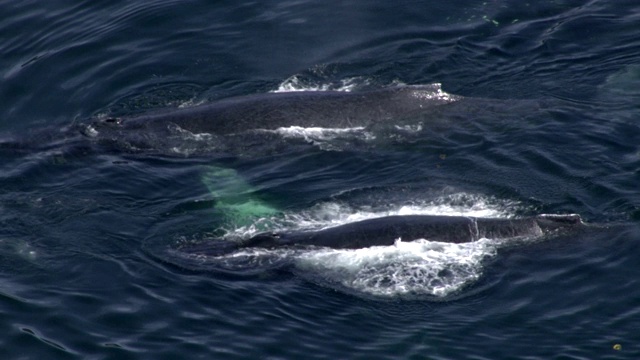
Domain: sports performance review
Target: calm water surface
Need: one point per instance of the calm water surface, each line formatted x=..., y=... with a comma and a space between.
x=91, y=238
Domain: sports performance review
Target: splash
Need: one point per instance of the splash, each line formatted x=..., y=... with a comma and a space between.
x=416, y=268
x=298, y=83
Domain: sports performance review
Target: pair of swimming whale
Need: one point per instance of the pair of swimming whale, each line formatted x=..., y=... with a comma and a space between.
x=330, y=109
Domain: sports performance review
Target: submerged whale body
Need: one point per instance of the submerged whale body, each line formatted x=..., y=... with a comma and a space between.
x=386, y=230
x=326, y=109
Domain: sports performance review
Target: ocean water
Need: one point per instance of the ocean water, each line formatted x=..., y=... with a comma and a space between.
x=95, y=259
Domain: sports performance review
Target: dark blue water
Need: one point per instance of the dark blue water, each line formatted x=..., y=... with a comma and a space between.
x=91, y=264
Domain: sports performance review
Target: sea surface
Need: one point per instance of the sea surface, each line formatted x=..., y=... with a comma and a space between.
x=92, y=238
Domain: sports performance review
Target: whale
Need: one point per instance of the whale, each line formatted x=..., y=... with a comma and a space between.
x=268, y=111
x=385, y=231
x=223, y=124
x=248, y=124
x=253, y=125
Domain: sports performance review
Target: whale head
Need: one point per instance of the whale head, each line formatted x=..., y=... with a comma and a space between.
x=550, y=223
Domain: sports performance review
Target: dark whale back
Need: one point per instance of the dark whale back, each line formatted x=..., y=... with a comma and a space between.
x=328, y=109
x=384, y=231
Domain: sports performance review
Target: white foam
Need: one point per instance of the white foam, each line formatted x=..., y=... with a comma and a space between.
x=296, y=83
x=406, y=269
x=191, y=103
x=414, y=268
x=184, y=134
x=186, y=142
x=409, y=128
x=318, y=134
x=334, y=139
x=90, y=131
x=439, y=94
